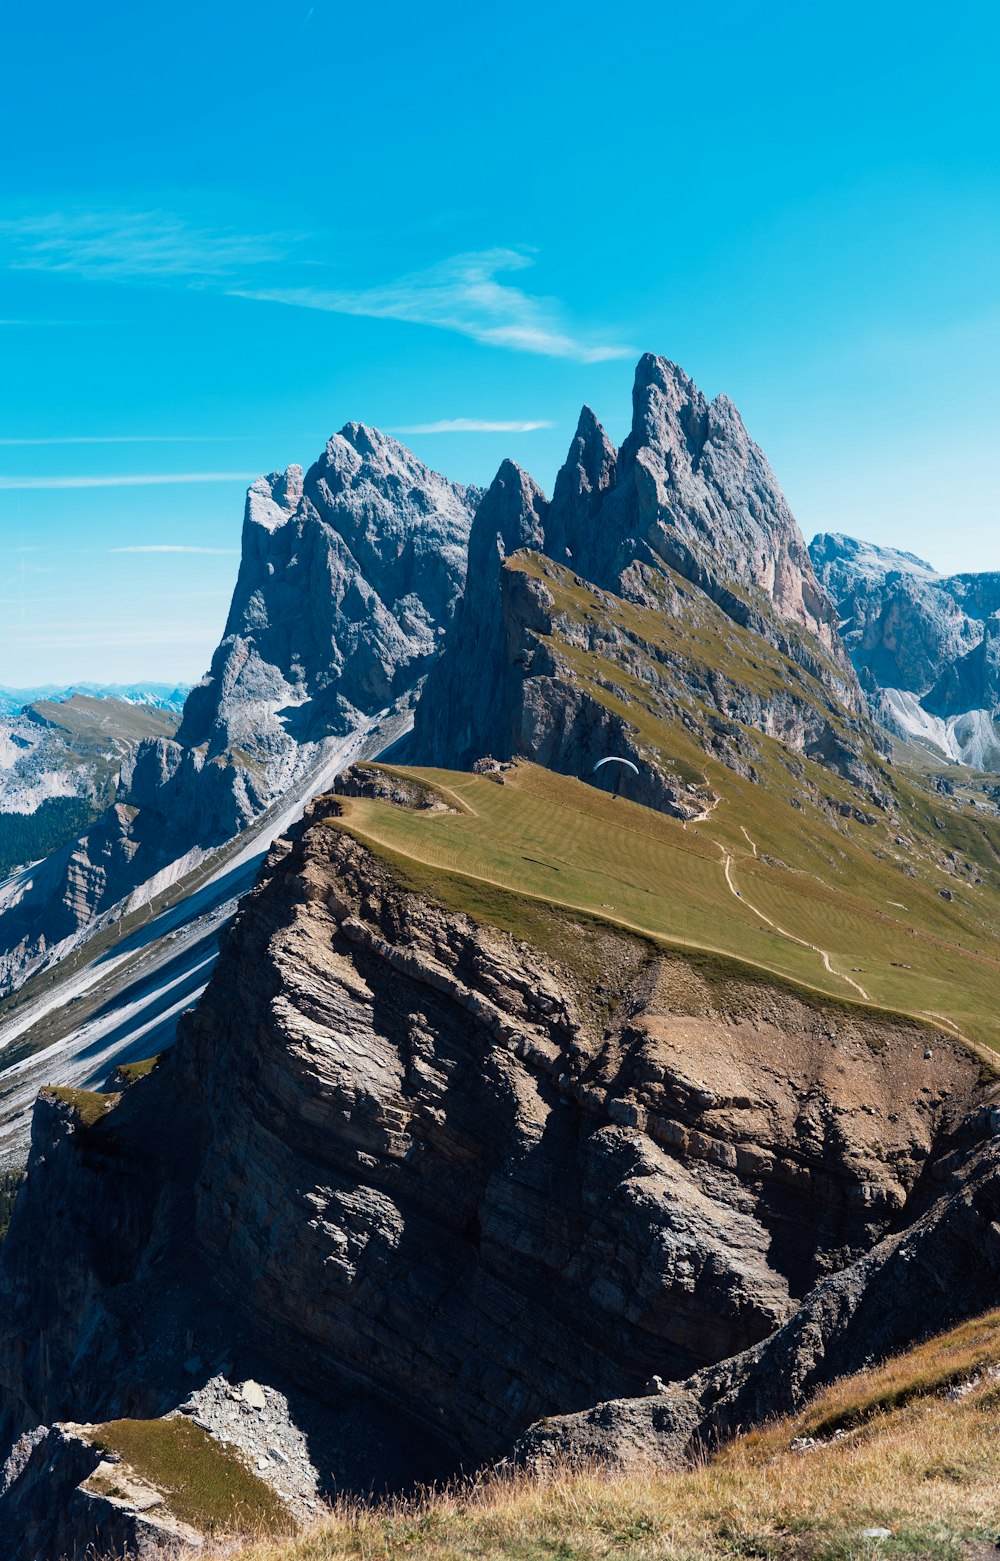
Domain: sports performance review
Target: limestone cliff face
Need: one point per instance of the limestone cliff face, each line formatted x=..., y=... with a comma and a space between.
x=689, y=495
x=692, y=487
x=403, y=1157
x=348, y=578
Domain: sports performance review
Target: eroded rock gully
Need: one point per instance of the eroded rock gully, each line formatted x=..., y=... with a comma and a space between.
x=407, y=1160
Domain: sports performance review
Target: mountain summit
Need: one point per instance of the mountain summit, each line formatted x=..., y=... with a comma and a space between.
x=685, y=522
x=348, y=574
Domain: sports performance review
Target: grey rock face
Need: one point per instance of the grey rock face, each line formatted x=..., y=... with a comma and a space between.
x=692, y=487
x=927, y=646
x=349, y=577
x=934, y=1273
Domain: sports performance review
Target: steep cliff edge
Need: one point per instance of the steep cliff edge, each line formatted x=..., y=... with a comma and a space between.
x=465, y=1169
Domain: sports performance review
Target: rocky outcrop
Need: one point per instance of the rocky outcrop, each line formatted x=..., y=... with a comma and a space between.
x=691, y=488
x=688, y=499
x=859, y=1315
x=55, y=1502
x=924, y=644
x=349, y=577
x=433, y=1176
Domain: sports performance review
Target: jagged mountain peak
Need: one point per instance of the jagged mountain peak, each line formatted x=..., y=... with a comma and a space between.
x=372, y=445
x=360, y=453
x=591, y=454
x=360, y=564
x=653, y=370
x=695, y=489
x=272, y=499
x=587, y=474
x=666, y=403
x=688, y=490
x=511, y=515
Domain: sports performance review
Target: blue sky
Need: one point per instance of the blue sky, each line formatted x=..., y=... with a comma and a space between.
x=225, y=230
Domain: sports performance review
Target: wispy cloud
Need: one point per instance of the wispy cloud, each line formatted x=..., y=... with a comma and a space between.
x=130, y=439
x=61, y=635
x=31, y=323
x=173, y=547
x=132, y=246
x=461, y=294
x=136, y=480
x=470, y=425
x=464, y=293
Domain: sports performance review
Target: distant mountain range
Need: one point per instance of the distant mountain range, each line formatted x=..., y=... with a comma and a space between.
x=163, y=696
x=926, y=645
x=59, y=763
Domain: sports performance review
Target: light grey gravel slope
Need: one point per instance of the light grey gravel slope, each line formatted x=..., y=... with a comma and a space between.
x=123, y=1002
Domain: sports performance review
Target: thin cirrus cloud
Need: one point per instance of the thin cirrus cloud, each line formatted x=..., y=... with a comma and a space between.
x=133, y=480
x=462, y=294
x=128, y=439
x=470, y=425
x=173, y=547
x=132, y=246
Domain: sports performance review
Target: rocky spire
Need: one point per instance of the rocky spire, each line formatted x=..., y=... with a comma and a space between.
x=694, y=490
x=511, y=515
x=668, y=410
x=463, y=692
x=589, y=471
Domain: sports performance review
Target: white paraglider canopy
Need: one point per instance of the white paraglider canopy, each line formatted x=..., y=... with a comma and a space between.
x=614, y=759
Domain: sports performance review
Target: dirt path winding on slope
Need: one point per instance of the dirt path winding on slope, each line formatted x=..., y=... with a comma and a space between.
x=803, y=942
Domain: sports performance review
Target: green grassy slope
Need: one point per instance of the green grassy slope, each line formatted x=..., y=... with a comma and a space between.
x=548, y=838
x=793, y=868
x=90, y=723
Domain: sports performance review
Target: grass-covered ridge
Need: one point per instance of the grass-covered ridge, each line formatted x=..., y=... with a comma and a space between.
x=87, y=1105
x=920, y=1463
x=823, y=914
x=202, y=1482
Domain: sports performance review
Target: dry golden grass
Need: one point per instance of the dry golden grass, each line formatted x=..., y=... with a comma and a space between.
x=918, y=1459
